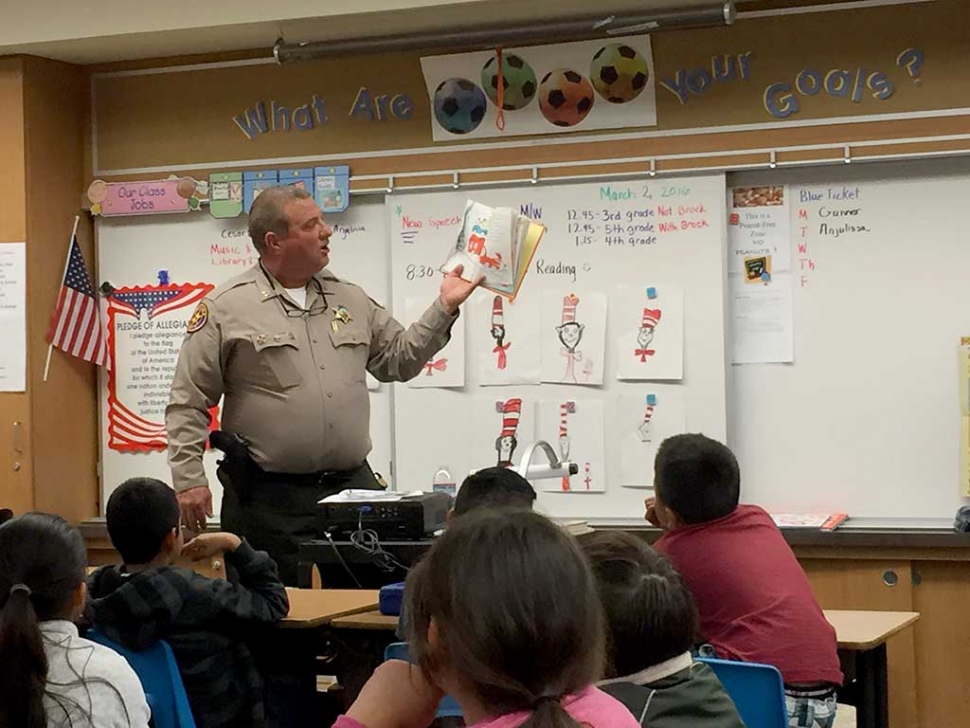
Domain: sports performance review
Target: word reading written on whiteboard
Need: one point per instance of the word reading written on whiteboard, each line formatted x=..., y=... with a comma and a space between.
x=838, y=210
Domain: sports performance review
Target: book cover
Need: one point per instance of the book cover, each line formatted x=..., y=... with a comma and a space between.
x=498, y=243
x=823, y=521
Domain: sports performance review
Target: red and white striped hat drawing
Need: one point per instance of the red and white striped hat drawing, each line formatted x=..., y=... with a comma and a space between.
x=511, y=411
x=498, y=314
x=651, y=317
x=569, y=304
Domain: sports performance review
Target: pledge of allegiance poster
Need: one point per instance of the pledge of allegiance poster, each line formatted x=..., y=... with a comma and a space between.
x=146, y=325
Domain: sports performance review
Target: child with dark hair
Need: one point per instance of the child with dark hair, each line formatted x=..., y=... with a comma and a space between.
x=493, y=488
x=754, y=601
x=50, y=676
x=651, y=626
x=505, y=619
x=205, y=621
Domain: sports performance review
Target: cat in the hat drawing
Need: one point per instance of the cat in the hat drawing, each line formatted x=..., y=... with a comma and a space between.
x=570, y=334
x=648, y=325
x=498, y=333
x=506, y=442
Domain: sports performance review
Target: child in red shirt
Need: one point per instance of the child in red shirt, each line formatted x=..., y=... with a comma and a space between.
x=754, y=601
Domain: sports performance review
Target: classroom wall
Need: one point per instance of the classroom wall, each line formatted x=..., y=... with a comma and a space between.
x=63, y=410
x=178, y=120
x=15, y=486
x=155, y=123
x=48, y=434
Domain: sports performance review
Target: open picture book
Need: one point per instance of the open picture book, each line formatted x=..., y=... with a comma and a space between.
x=497, y=242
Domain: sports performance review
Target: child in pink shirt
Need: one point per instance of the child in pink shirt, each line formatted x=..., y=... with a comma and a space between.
x=505, y=618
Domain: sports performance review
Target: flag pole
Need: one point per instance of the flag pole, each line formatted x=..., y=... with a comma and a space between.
x=67, y=262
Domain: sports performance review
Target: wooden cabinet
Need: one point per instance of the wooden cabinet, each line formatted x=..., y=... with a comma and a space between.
x=881, y=585
x=941, y=594
x=928, y=680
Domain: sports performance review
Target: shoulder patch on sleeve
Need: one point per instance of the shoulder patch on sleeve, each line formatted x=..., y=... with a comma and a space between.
x=199, y=318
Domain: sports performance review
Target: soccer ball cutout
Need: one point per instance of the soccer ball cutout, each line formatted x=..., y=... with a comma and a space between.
x=619, y=73
x=518, y=81
x=459, y=105
x=565, y=97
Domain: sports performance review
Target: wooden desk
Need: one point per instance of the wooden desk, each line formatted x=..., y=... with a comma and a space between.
x=863, y=629
x=312, y=608
x=865, y=633
x=370, y=620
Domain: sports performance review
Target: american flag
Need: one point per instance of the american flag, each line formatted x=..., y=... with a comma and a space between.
x=156, y=299
x=129, y=432
x=76, y=323
x=128, y=429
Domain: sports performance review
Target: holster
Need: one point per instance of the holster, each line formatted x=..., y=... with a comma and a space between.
x=237, y=464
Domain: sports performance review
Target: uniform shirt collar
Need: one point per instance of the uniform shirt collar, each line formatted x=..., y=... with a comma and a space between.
x=270, y=288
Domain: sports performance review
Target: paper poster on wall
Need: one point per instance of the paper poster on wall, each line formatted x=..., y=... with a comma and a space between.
x=965, y=415
x=644, y=420
x=649, y=322
x=574, y=427
x=546, y=89
x=504, y=339
x=447, y=367
x=503, y=426
x=573, y=337
x=146, y=325
x=761, y=321
x=13, y=317
x=759, y=227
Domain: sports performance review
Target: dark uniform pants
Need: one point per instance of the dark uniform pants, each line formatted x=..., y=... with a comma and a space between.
x=276, y=512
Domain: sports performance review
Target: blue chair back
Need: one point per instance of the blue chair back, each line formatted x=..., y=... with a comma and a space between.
x=160, y=679
x=757, y=691
x=447, y=708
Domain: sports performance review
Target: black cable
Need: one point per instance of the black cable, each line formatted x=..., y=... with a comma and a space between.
x=368, y=541
x=341, y=558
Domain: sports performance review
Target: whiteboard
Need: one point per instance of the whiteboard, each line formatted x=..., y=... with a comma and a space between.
x=442, y=427
x=198, y=248
x=866, y=419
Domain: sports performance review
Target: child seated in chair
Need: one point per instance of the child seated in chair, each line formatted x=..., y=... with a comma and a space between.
x=205, y=621
x=651, y=625
x=506, y=620
x=754, y=601
x=50, y=675
x=495, y=487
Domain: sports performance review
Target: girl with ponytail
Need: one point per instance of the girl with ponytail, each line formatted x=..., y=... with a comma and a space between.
x=49, y=676
x=504, y=617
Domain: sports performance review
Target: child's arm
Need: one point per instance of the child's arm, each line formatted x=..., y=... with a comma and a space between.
x=258, y=597
x=397, y=695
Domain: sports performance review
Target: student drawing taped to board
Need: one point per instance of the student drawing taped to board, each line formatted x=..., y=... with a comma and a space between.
x=506, y=442
x=570, y=334
x=498, y=333
x=646, y=427
x=648, y=324
x=564, y=409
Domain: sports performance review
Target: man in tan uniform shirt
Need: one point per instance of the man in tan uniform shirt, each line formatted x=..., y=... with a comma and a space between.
x=287, y=345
